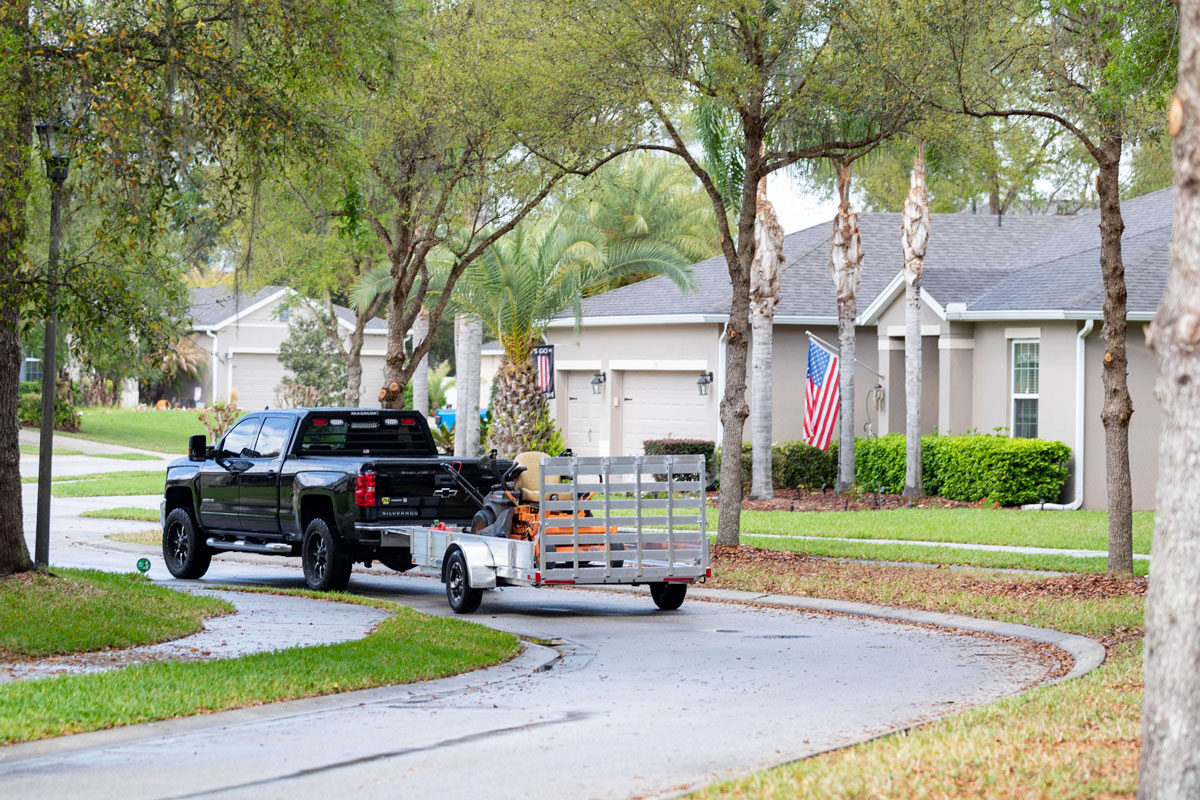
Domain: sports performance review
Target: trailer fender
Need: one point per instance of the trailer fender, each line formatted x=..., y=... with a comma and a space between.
x=481, y=567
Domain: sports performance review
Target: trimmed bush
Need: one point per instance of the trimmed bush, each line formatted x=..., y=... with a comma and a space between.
x=25, y=387
x=29, y=412
x=793, y=464
x=674, y=447
x=1005, y=470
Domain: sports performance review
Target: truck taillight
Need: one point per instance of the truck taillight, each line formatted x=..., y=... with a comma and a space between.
x=364, y=490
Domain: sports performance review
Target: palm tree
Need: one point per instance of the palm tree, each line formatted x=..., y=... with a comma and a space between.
x=644, y=199
x=528, y=278
x=764, y=296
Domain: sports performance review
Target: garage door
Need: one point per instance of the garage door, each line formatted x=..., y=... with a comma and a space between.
x=662, y=405
x=255, y=377
x=584, y=413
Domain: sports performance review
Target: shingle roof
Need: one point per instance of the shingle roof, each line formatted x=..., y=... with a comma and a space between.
x=1020, y=262
x=210, y=305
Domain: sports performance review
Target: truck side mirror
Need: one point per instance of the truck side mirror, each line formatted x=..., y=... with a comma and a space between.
x=197, y=447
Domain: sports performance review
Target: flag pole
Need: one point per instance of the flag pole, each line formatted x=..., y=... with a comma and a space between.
x=834, y=349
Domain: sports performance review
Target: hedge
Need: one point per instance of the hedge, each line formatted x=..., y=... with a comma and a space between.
x=1005, y=470
x=673, y=447
x=29, y=412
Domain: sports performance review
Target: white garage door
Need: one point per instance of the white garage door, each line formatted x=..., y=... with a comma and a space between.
x=584, y=413
x=255, y=377
x=662, y=405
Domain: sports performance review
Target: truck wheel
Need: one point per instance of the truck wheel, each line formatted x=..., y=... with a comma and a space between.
x=399, y=560
x=183, y=551
x=463, y=599
x=668, y=596
x=326, y=563
x=483, y=518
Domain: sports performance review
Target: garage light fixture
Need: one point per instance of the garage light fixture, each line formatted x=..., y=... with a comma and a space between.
x=702, y=384
x=598, y=381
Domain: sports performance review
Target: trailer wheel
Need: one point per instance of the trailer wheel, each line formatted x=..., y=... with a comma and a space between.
x=463, y=599
x=185, y=553
x=327, y=565
x=668, y=596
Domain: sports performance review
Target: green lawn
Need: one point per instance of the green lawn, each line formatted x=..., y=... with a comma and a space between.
x=1069, y=530
x=32, y=450
x=106, y=484
x=124, y=512
x=161, y=431
x=81, y=610
x=409, y=646
x=125, y=456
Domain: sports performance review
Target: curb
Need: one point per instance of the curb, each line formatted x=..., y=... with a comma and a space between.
x=532, y=659
x=1087, y=653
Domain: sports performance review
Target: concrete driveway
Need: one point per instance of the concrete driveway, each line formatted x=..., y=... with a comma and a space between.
x=626, y=701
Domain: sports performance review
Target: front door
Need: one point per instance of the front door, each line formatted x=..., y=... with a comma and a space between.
x=258, y=493
x=219, y=478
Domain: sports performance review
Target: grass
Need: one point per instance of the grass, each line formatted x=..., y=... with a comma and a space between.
x=408, y=646
x=1075, y=530
x=151, y=536
x=1077, y=739
x=32, y=450
x=106, y=484
x=940, y=555
x=127, y=456
x=124, y=512
x=161, y=431
x=82, y=610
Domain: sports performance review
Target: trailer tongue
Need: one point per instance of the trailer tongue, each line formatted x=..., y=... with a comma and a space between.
x=590, y=520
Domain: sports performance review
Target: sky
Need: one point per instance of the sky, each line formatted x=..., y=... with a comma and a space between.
x=795, y=207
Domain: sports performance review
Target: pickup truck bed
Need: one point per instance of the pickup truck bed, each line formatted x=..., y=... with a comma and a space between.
x=324, y=484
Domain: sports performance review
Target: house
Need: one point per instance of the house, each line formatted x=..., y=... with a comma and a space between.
x=1010, y=328
x=241, y=333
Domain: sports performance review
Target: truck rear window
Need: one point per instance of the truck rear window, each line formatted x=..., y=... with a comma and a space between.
x=363, y=435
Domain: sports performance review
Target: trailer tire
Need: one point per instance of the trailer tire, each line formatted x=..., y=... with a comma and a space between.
x=326, y=562
x=668, y=596
x=463, y=599
x=184, y=552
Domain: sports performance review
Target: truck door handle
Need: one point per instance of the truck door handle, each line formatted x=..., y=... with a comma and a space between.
x=270, y=473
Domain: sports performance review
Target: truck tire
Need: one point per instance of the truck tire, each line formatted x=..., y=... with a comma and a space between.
x=463, y=599
x=184, y=552
x=326, y=563
x=668, y=596
x=399, y=559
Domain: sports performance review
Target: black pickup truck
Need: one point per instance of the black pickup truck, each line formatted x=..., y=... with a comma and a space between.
x=327, y=484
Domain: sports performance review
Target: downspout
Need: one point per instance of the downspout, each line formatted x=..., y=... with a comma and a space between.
x=213, y=357
x=1080, y=398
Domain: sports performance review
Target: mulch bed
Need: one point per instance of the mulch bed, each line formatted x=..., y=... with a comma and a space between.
x=816, y=500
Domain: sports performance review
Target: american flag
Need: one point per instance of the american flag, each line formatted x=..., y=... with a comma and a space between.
x=543, y=359
x=820, y=396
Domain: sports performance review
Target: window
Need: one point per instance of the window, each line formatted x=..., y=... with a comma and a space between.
x=1025, y=366
x=273, y=437
x=31, y=369
x=239, y=441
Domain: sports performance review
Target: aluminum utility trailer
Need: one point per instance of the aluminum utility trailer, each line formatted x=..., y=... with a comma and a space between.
x=601, y=520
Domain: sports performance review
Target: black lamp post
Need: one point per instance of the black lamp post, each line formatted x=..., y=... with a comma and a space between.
x=55, y=152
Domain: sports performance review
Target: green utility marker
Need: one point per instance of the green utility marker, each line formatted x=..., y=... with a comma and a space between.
x=143, y=565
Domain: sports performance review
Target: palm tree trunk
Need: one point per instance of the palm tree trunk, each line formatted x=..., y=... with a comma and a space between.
x=1118, y=405
x=845, y=262
x=518, y=405
x=1170, y=760
x=468, y=339
x=420, y=380
x=914, y=237
x=764, y=296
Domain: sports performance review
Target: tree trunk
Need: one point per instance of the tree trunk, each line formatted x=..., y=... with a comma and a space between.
x=914, y=238
x=845, y=264
x=15, y=136
x=420, y=379
x=737, y=345
x=1170, y=761
x=518, y=405
x=468, y=338
x=764, y=296
x=1118, y=406
x=354, y=374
